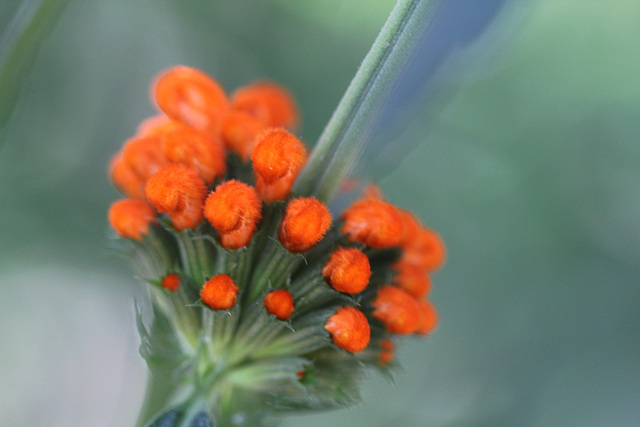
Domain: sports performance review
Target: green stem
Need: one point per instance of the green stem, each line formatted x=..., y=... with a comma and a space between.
x=345, y=135
x=196, y=254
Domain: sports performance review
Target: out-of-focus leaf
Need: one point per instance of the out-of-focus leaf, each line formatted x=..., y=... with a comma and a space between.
x=19, y=42
x=462, y=34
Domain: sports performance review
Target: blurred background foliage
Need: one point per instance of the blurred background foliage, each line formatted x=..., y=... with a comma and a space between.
x=524, y=153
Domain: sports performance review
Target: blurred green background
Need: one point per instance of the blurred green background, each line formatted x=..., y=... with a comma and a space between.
x=525, y=156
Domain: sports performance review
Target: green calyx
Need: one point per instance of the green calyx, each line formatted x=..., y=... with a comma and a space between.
x=243, y=353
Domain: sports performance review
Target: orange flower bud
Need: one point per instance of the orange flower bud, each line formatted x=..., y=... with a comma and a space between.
x=171, y=282
x=234, y=210
x=279, y=303
x=239, y=132
x=349, y=329
x=386, y=352
x=267, y=102
x=305, y=222
x=347, y=270
x=195, y=150
x=398, y=310
x=425, y=250
x=179, y=192
x=125, y=178
x=277, y=158
x=144, y=155
x=192, y=97
x=130, y=218
x=428, y=318
x=373, y=222
x=411, y=227
x=413, y=279
x=220, y=292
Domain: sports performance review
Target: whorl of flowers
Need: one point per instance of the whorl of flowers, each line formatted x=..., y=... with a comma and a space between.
x=262, y=300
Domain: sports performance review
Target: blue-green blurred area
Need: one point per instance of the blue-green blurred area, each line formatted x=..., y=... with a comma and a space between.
x=524, y=154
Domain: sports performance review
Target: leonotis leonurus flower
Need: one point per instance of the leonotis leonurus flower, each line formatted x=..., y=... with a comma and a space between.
x=261, y=298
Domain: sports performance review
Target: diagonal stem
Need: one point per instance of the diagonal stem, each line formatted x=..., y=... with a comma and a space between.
x=345, y=135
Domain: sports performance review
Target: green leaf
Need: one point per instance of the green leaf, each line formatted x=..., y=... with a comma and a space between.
x=19, y=44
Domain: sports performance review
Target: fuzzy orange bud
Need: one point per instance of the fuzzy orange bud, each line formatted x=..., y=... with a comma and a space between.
x=220, y=292
x=349, y=329
x=192, y=97
x=373, y=222
x=279, y=303
x=179, y=192
x=277, y=158
x=239, y=133
x=386, y=352
x=130, y=218
x=428, y=318
x=411, y=227
x=268, y=102
x=347, y=270
x=234, y=210
x=425, y=250
x=305, y=222
x=398, y=310
x=195, y=150
x=144, y=155
x=125, y=178
x=171, y=282
x=413, y=279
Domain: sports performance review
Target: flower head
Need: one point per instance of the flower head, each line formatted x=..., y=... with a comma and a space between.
x=192, y=97
x=305, y=222
x=347, y=270
x=424, y=250
x=125, y=178
x=374, y=222
x=178, y=192
x=271, y=104
x=277, y=158
x=234, y=210
x=196, y=150
x=220, y=292
x=239, y=132
x=171, y=282
x=428, y=318
x=413, y=279
x=279, y=303
x=349, y=329
x=398, y=310
x=257, y=290
x=131, y=218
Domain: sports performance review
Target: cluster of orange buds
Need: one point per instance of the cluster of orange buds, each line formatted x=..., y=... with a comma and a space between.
x=260, y=290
